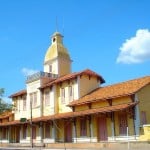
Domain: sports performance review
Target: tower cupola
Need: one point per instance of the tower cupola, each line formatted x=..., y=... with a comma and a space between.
x=57, y=59
x=57, y=37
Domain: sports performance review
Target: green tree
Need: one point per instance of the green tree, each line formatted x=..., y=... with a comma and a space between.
x=3, y=105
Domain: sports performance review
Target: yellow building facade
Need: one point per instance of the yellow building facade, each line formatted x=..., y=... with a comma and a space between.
x=63, y=106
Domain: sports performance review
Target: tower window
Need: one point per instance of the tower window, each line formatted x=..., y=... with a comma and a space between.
x=54, y=39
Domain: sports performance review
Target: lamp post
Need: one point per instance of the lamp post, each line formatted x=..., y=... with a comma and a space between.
x=31, y=129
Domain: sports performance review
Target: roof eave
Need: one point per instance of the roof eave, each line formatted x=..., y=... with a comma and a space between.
x=96, y=100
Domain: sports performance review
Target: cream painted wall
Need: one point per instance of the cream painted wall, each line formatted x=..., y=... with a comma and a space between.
x=76, y=89
x=64, y=66
x=18, y=110
x=88, y=84
x=100, y=104
x=144, y=98
x=49, y=109
x=31, y=88
x=54, y=64
x=80, y=88
x=121, y=100
x=62, y=107
x=82, y=107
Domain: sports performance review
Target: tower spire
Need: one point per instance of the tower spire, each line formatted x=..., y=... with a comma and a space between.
x=56, y=24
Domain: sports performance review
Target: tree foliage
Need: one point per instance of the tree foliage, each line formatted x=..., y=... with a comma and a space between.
x=4, y=106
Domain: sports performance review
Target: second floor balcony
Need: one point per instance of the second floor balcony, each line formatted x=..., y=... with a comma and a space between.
x=39, y=75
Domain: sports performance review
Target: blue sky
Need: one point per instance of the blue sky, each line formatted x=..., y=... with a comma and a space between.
x=111, y=38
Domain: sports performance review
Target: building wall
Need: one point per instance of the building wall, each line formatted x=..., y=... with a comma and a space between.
x=88, y=84
x=54, y=64
x=76, y=88
x=59, y=127
x=18, y=108
x=62, y=104
x=48, y=109
x=144, y=98
x=121, y=100
x=60, y=66
x=64, y=66
x=31, y=88
x=102, y=104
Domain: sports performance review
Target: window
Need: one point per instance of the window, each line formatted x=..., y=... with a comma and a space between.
x=47, y=98
x=54, y=39
x=33, y=99
x=62, y=95
x=15, y=105
x=83, y=127
x=47, y=130
x=24, y=132
x=143, y=118
x=70, y=93
x=24, y=103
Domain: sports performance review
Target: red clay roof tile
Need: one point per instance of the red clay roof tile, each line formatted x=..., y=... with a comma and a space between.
x=22, y=92
x=74, y=75
x=113, y=91
x=74, y=114
x=85, y=112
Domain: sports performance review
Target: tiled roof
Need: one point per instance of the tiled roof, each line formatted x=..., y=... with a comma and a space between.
x=113, y=91
x=6, y=115
x=85, y=112
x=22, y=92
x=74, y=75
x=74, y=114
x=10, y=123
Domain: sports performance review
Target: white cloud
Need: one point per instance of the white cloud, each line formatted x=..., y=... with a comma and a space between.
x=27, y=71
x=136, y=49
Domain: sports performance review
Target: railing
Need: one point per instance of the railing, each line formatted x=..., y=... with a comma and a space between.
x=38, y=75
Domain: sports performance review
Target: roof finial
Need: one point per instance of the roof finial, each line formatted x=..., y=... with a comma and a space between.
x=63, y=27
x=56, y=24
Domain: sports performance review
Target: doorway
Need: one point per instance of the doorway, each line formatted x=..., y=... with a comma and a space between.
x=102, y=128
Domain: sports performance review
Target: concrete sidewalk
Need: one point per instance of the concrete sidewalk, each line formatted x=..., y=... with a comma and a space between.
x=86, y=146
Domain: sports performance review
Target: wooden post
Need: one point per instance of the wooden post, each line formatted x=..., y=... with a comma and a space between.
x=75, y=129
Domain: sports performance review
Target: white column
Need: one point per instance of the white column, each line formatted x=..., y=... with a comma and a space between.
x=55, y=99
x=74, y=133
x=21, y=135
x=78, y=84
x=8, y=130
x=91, y=129
x=137, y=117
x=112, y=130
x=112, y=125
x=41, y=132
x=53, y=132
x=41, y=104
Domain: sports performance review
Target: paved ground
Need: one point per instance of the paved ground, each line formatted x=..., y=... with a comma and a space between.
x=98, y=146
x=72, y=149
